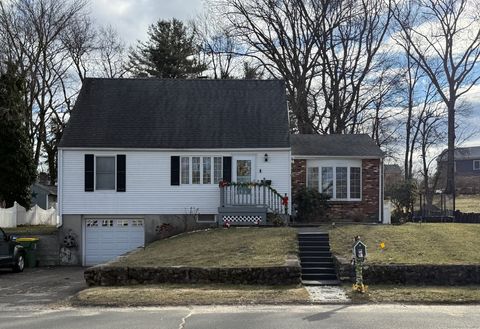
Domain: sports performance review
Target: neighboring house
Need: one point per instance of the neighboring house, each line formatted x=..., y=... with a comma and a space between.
x=467, y=169
x=44, y=196
x=393, y=175
x=347, y=167
x=142, y=159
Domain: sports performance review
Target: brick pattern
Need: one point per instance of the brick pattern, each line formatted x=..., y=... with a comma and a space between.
x=365, y=210
x=299, y=175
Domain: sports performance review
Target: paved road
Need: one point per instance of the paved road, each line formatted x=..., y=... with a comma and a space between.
x=39, y=286
x=285, y=317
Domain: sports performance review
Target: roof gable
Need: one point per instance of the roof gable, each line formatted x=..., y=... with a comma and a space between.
x=462, y=153
x=159, y=113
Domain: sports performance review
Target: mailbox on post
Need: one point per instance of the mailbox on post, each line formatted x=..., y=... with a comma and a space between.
x=359, y=250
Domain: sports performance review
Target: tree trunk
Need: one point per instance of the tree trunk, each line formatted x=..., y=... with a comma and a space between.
x=450, y=188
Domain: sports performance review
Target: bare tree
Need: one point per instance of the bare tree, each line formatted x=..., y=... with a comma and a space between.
x=282, y=35
x=112, y=53
x=33, y=33
x=347, y=58
x=445, y=41
x=218, y=46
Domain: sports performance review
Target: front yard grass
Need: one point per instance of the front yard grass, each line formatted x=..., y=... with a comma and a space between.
x=195, y=294
x=233, y=247
x=417, y=294
x=442, y=243
x=468, y=203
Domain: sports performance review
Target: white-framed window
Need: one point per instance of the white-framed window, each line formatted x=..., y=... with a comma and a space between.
x=200, y=170
x=312, y=177
x=339, y=182
x=105, y=173
x=476, y=164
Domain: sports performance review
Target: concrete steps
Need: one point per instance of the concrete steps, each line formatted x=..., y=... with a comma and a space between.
x=316, y=259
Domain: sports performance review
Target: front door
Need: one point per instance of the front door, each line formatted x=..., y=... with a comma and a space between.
x=243, y=172
x=243, y=169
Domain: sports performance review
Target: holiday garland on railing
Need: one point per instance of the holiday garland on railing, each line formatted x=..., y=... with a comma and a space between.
x=223, y=184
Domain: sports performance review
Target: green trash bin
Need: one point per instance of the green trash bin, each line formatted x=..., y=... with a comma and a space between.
x=30, y=246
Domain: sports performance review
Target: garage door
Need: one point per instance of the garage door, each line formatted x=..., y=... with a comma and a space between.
x=106, y=239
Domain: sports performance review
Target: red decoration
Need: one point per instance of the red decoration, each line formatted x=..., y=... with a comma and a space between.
x=285, y=200
x=223, y=183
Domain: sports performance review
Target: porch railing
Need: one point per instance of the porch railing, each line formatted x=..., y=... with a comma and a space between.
x=253, y=195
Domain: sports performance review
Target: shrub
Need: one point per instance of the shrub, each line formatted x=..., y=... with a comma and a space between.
x=403, y=197
x=310, y=204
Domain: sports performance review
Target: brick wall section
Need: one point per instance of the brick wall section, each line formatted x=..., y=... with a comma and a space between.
x=365, y=210
x=299, y=175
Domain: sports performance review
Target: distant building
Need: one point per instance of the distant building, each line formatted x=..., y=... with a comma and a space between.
x=467, y=169
x=45, y=196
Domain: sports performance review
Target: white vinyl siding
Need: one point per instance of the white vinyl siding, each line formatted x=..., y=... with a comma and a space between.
x=148, y=180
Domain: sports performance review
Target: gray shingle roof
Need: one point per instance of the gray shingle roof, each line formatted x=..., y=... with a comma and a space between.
x=355, y=145
x=462, y=153
x=156, y=113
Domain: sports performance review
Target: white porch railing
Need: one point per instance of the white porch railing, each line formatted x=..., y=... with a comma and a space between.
x=253, y=195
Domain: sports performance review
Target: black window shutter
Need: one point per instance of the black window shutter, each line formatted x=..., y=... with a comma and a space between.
x=121, y=171
x=89, y=172
x=227, y=169
x=175, y=170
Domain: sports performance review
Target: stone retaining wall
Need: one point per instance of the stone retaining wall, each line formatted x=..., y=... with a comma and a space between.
x=412, y=274
x=111, y=275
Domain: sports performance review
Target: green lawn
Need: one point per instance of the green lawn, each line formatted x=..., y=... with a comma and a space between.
x=442, y=243
x=234, y=247
x=195, y=294
x=468, y=203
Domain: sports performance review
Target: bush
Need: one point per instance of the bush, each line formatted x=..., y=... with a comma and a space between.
x=403, y=196
x=311, y=205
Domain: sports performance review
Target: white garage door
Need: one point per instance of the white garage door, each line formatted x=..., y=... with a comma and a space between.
x=106, y=239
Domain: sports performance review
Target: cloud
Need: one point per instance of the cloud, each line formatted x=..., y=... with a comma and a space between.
x=131, y=18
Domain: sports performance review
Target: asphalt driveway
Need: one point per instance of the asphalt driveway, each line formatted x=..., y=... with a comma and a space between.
x=44, y=286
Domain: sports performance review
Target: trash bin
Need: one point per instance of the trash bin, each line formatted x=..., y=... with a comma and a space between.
x=30, y=246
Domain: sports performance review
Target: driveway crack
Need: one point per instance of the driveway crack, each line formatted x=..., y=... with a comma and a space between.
x=184, y=320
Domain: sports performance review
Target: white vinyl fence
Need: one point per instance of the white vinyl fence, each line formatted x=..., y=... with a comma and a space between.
x=17, y=215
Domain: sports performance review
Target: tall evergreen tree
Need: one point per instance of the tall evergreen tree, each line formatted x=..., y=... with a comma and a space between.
x=170, y=52
x=17, y=169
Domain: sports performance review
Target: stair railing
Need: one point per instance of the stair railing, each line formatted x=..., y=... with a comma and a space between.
x=253, y=194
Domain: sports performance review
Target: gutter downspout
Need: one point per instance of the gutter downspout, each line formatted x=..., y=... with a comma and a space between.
x=381, y=191
x=59, y=188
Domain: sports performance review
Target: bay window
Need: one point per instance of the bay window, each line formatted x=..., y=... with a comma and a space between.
x=340, y=182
